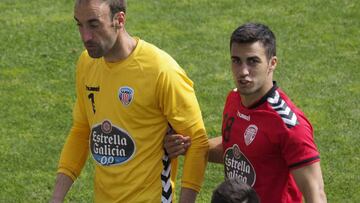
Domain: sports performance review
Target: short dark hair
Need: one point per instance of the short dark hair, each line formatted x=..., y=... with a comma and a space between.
x=234, y=191
x=116, y=6
x=253, y=32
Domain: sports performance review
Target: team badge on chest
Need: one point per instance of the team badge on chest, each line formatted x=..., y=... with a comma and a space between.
x=126, y=95
x=250, y=134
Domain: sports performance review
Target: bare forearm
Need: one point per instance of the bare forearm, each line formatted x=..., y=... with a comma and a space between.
x=62, y=186
x=314, y=195
x=215, y=150
x=310, y=182
x=187, y=195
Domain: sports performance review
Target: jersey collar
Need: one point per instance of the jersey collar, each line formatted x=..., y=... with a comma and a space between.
x=264, y=98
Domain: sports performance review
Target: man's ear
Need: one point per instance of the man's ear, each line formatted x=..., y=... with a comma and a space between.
x=272, y=63
x=119, y=20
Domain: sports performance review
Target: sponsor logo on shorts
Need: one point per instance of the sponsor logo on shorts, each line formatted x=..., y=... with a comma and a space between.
x=238, y=166
x=111, y=145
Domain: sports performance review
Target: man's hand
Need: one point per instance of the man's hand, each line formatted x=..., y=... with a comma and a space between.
x=62, y=186
x=187, y=195
x=176, y=144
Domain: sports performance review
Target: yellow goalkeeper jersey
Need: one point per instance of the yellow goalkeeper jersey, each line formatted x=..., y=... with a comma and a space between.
x=121, y=115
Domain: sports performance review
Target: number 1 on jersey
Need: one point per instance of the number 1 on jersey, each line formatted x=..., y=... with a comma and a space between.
x=91, y=96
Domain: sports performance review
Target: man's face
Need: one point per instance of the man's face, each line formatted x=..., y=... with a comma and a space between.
x=95, y=26
x=252, y=70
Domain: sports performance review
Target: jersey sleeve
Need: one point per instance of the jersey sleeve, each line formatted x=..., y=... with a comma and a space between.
x=75, y=151
x=178, y=102
x=298, y=146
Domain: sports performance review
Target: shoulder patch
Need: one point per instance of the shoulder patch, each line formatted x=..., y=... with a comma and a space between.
x=280, y=106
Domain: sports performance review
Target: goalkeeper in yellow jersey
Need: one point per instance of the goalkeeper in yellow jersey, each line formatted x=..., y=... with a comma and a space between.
x=128, y=94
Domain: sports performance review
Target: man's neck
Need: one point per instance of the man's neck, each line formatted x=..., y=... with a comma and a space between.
x=251, y=99
x=123, y=47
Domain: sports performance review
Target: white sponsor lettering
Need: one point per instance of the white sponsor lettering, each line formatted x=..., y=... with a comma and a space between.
x=237, y=175
x=243, y=116
x=241, y=165
x=109, y=151
x=113, y=139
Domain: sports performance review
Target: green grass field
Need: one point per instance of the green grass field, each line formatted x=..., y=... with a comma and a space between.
x=319, y=61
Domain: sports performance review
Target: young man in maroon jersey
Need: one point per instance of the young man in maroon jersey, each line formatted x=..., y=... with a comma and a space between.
x=266, y=141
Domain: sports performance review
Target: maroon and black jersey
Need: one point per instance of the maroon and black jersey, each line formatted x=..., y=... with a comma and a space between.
x=263, y=143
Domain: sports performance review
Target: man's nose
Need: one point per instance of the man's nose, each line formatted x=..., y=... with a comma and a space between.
x=243, y=70
x=86, y=34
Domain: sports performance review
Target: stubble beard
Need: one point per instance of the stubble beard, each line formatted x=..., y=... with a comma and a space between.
x=95, y=53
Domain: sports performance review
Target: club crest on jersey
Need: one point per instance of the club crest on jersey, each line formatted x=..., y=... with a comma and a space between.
x=126, y=95
x=250, y=134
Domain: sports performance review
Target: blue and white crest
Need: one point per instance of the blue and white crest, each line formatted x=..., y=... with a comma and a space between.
x=126, y=95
